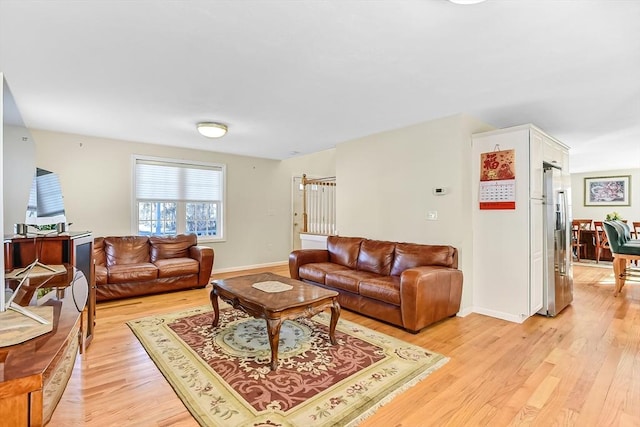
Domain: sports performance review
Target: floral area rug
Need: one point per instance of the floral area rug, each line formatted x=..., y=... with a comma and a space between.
x=223, y=375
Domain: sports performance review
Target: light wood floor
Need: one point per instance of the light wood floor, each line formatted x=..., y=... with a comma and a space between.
x=581, y=368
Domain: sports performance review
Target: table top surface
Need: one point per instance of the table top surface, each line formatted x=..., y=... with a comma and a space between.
x=49, y=235
x=300, y=294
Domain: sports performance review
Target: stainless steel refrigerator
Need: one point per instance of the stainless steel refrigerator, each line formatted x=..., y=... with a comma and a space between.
x=558, y=277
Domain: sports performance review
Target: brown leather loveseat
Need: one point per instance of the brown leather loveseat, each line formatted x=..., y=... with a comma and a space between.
x=406, y=284
x=127, y=266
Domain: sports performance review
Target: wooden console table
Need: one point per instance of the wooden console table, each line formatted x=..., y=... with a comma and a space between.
x=34, y=374
x=75, y=248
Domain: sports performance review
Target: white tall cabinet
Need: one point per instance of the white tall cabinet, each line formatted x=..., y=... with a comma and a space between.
x=508, y=254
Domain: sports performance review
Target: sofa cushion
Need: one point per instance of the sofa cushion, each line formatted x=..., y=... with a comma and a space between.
x=124, y=273
x=101, y=275
x=409, y=255
x=98, y=251
x=317, y=271
x=173, y=267
x=344, y=250
x=171, y=246
x=626, y=229
x=618, y=241
x=376, y=256
x=617, y=238
x=126, y=250
x=348, y=280
x=385, y=289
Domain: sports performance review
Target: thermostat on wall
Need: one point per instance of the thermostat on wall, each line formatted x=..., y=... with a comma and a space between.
x=440, y=191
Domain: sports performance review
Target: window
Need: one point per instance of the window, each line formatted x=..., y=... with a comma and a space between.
x=175, y=197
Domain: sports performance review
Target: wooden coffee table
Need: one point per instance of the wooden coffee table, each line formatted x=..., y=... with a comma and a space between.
x=302, y=300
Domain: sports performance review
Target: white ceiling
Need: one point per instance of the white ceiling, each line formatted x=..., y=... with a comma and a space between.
x=302, y=76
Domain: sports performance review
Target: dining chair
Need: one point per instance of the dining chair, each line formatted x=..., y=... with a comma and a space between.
x=600, y=237
x=624, y=251
x=584, y=224
x=635, y=233
x=577, y=246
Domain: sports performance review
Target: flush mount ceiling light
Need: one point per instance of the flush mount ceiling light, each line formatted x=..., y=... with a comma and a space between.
x=466, y=1
x=212, y=129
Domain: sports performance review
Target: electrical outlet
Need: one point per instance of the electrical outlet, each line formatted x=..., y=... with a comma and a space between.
x=432, y=215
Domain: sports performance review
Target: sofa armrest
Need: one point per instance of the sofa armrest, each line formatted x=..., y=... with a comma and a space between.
x=429, y=294
x=204, y=255
x=301, y=257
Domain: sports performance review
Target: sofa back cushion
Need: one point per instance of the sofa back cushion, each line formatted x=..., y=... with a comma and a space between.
x=167, y=247
x=344, y=250
x=409, y=255
x=376, y=256
x=615, y=235
x=626, y=229
x=126, y=250
x=98, y=251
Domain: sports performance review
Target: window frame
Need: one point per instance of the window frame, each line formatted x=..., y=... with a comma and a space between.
x=181, y=205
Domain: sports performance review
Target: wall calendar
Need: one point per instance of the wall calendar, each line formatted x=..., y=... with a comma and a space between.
x=497, y=180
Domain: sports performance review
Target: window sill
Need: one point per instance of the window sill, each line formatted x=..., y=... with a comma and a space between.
x=211, y=240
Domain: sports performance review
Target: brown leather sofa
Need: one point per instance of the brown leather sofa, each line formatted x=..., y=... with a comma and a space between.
x=405, y=284
x=127, y=266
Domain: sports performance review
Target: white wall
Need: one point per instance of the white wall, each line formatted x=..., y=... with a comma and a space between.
x=384, y=189
x=385, y=182
x=321, y=164
x=598, y=213
x=95, y=175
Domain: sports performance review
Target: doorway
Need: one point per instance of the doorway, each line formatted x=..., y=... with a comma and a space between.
x=297, y=207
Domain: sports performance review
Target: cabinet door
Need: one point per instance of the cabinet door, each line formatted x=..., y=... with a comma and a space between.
x=536, y=283
x=14, y=404
x=551, y=152
x=535, y=167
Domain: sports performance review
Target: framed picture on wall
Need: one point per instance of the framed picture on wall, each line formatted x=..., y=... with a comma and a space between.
x=607, y=191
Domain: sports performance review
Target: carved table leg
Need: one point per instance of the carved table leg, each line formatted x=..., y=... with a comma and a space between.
x=619, y=267
x=216, y=310
x=335, y=314
x=273, y=329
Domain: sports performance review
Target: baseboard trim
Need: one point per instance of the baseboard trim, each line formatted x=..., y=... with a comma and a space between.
x=465, y=312
x=250, y=267
x=500, y=315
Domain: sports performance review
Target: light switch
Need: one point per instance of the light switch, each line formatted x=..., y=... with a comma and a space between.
x=432, y=215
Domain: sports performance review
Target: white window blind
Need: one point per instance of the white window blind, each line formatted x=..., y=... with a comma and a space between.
x=177, y=181
x=174, y=196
